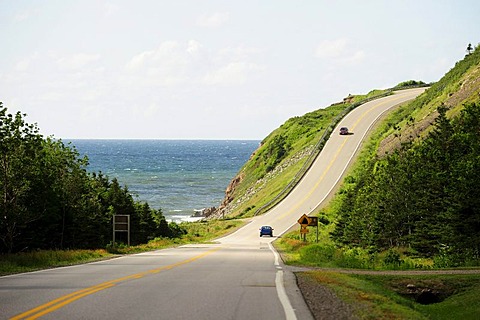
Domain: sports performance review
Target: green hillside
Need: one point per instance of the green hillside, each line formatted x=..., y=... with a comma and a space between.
x=410, y=145
x=283, y=156
x=414, y=189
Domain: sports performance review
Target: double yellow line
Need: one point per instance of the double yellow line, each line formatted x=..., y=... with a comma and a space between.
x=71, y=297
x=334, y=159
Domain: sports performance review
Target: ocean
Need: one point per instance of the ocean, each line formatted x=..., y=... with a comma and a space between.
x=176, y=176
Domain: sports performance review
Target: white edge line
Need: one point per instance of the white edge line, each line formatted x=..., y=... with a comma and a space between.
x=282, y=294
x=349, y=160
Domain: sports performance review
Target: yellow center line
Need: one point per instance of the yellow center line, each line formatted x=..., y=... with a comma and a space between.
x=71, y=297
x=330, y=164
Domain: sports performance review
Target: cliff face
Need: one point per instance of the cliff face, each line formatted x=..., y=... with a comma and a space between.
x=221, y=211
x=231, y=189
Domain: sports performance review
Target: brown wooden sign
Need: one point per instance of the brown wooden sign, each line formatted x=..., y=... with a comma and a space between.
x=313, y=221
x=121, y=223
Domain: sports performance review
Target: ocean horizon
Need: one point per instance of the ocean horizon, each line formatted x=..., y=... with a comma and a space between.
x=176, y=176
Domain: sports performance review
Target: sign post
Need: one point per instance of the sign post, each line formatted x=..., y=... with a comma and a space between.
x=304, y=222
x=121, y=223
x=314, y=223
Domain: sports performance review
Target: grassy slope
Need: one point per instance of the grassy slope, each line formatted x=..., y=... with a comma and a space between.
x=376, y=296
x=257, y=187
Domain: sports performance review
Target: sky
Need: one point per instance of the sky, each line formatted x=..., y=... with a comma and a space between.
x=211, y=69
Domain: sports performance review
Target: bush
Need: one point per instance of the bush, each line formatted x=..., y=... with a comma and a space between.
x=355, y=258
x=318, y=254
x=392, y=258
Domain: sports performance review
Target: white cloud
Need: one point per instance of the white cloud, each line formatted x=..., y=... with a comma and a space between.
x=77, y=61
x=194, y=47
x=331, y=49
x=19, y=17
x=339, y=50
x=26, y=63
x=190, y=63
x=51, y=96
x=169, y=64
x=111, y=9
x=138, y=61
x=213, y=20
x=355, y=58
x=23, y=65
x=235, y=73
x=239, y=53
x=167, y=53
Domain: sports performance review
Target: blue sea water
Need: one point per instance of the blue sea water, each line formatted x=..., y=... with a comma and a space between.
x=177, y=176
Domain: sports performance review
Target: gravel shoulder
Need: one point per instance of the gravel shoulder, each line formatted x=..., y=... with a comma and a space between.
x=322, y=302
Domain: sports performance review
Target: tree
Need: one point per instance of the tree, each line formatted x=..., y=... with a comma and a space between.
x=276, y=151
x=469, y=48
x=49, y=201
x=20, y=150
x=424, y=196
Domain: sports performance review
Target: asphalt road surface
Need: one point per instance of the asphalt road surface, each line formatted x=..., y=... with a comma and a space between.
x=238, y=277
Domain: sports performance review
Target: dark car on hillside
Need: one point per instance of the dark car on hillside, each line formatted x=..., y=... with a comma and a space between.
x=344, y=131
x=266, y=231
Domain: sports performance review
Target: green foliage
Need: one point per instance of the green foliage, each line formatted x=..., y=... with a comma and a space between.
x=328, y=255
x=292, y=138
x=275, y=152
x=41, y=259
x=409, y=83
x=423, y=196
x=388, y=297
x=439, y=91
x=322, y=254
x=20, y=153
x=49, y=201
x=392, y=258
x=202, y=231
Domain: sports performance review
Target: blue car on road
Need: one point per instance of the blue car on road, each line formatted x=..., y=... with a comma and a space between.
x=266, y=231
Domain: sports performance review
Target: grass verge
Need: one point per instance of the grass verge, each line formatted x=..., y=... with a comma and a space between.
x=197, y=232
x=399, y=297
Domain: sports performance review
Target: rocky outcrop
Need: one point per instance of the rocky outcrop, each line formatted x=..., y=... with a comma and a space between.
x=205, y=212
x=220, y=212
x=349, y=99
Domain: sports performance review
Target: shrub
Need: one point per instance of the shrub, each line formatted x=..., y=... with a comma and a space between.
x=318, y=254
x=355, y=258
x=392, y=258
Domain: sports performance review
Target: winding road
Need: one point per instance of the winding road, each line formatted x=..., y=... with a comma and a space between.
x=239, y=276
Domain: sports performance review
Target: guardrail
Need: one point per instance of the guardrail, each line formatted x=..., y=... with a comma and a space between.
x=319, y=147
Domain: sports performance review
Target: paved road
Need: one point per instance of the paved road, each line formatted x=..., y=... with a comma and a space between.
x=333, y=161
x=238, y=277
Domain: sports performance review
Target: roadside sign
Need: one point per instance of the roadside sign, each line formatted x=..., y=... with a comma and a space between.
x=121, y=223
x=304, y=220
x=313, y=221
